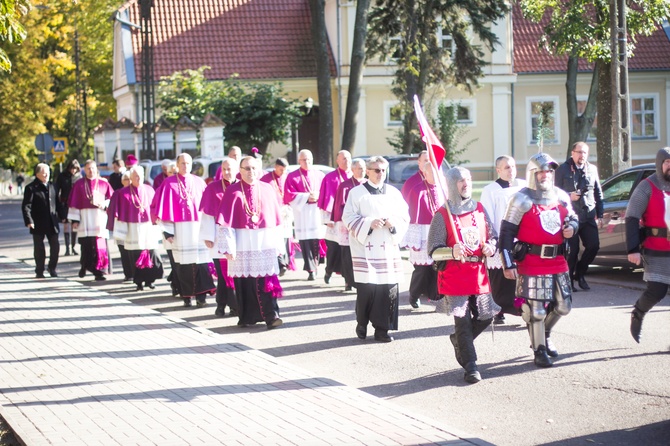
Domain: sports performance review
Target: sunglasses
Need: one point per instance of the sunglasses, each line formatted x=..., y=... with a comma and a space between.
x=378, y=170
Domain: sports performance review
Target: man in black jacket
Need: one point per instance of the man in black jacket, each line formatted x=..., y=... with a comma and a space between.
x=580, y=180
x=40, y=213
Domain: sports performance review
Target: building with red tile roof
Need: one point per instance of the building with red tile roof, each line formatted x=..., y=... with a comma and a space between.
x=270, y=40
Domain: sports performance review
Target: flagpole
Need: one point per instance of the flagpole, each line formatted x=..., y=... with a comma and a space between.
x=431, y=141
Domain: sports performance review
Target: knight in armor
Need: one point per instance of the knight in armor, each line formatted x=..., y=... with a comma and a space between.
x=541, y=220
x=648, y=237
x=459, y=239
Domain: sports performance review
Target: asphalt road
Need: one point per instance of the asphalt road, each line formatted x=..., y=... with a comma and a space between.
x=604, y=388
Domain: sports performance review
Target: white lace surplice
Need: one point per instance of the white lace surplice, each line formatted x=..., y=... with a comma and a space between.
x=255, y=250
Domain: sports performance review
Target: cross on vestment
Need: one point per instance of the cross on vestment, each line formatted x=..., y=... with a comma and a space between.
x=369, y=246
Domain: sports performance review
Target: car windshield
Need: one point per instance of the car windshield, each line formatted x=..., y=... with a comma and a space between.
x=197, y=169
x=155, y=171
x=213, y=168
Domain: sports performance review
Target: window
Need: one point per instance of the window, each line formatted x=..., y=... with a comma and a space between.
x=395, y=44
x=392, y=114
x=543, y=116
x=619, y=188
x=581, y=105
x=644, y=116
x=465, y=111
x=446, y=42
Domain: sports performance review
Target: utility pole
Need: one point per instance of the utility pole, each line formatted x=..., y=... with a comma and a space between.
x=148, y=103
x=621, y=150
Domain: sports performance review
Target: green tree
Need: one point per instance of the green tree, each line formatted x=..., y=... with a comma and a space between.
x=580, y=29
x=324, y=152
x=40, y=93
x=187, y=93
x=355, y=75
x=451, y=134
x=407, y=33
x=255, y=114
x=11, y=29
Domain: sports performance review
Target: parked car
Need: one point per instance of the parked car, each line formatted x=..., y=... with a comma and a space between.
x=205, y=167
x=151, y=170
x=401, y=167
x=616, y=192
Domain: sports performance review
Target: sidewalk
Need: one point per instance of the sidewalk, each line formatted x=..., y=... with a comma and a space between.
x=82, y=367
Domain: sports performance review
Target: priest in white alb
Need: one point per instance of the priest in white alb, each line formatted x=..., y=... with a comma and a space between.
x=377, y=218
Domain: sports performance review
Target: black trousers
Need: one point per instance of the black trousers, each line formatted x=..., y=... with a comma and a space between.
x=194, y=279
x=654, y=293
x=310, y=254
x=127, y=263
x=255, y=305
x=39, y=251
x=377, y=304
x=333, y=258
x=503, y=291
x=145, y=276
x=423, y=282
x=89, y=255
x=588, y=234
x=224, y=294
x=347, y=265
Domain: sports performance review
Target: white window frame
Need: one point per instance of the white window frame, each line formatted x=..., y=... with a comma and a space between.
x=529, y=119
x=655, y=111
x=388, y=122
x=398, y=39
x=470, y=104
x=584, y=99
x=441, y=38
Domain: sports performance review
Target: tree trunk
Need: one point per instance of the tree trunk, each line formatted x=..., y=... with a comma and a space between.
x=324, y=153
x=355, y=75
x=579, y=126
x=604, y=134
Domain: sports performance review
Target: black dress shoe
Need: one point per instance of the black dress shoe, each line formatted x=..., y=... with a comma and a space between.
x=361, y=331
x=499, y=319
x=382, y=336
x=414, y=302
x=150, y=285
x=311, y=276
x=471, y=375
x=582, y=283
x=327, y=277
x=82, y=272
x=347, y=288
x=39, y=276
x=220, y=312
x=187, y=302
x=636, y=318
x=274, y=324
x=233, y=312
x=52, y=272
x=542, y=358
x=282, y=271
x=574, y=288
x=100, y=278
x=139, y=288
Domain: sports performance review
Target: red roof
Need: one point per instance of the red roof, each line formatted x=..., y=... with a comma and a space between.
x=257, y=39
x=651, y=53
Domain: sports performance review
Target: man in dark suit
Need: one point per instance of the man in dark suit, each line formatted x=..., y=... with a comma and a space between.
x=40, y=213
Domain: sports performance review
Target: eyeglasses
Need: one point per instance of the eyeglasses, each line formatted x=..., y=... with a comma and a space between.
x=378, y=170
x=248, y=168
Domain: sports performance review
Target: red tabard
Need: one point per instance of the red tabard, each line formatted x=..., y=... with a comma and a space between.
x=654, y=217
x=531, y=231
x=464, y=278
